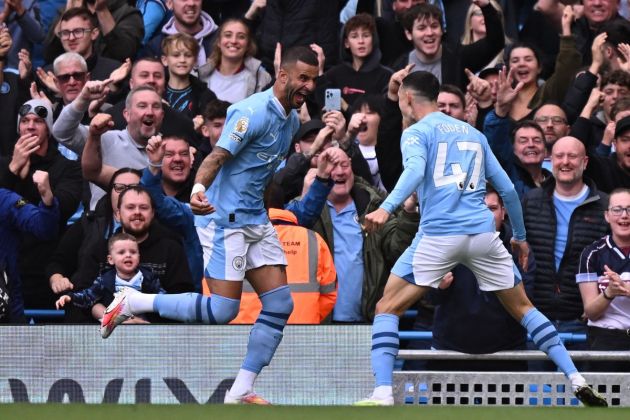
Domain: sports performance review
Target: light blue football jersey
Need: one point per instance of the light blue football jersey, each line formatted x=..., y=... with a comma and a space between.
x=447, y=162
x=258, y=134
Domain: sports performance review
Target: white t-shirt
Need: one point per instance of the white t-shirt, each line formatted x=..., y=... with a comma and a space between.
x=232, y=88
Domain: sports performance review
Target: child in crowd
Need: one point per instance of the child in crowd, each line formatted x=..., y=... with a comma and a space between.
x=124, y=255
x=184, y=92
x=211, y=123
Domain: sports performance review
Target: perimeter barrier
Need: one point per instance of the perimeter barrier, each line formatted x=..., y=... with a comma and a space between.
x=506, y=388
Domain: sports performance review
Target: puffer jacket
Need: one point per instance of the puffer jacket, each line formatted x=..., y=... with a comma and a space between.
x=555, y=292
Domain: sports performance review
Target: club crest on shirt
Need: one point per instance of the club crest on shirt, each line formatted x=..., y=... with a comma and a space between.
x=238, y=263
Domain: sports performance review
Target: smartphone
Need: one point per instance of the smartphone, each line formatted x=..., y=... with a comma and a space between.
x=332, y=100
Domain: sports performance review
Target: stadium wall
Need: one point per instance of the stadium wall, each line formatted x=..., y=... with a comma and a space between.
x=171, y=364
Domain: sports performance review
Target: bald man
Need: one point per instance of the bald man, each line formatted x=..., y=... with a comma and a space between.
x=561, y=217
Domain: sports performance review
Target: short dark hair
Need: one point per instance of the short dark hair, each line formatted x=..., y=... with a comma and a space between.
x=120, y=236
x=617, y=77
x=139, y=189
x=216, y=108
x=372, y=101
x=527, y=124
x=176, y=138
x=491, y=190
x=619, y=190
x=82, y=12
x=299, y=53
x=423, y=84
x=125, y=170
x=454, y=90
x=421, y=11
x=520, y=44
x=362, y=20
x=617, y=31
x=148, y=59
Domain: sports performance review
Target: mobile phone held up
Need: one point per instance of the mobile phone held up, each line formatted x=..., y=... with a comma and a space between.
x=332, y=100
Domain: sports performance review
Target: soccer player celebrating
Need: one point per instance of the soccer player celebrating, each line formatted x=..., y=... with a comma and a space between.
x=447, y=162
x=235, y=232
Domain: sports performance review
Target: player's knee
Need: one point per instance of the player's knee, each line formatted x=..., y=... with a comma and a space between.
x=385, y=305
x=224, y=309
x=278, y=300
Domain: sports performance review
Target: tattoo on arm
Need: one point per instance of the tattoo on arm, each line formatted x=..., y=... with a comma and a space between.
x=210, y=166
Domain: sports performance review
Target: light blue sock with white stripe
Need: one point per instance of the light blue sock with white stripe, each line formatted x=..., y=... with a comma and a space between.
x=384, y=348
x=546, y=338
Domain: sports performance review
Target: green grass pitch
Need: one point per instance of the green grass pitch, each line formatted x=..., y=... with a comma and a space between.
x=213, y=412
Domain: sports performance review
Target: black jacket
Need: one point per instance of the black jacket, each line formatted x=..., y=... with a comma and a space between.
x=67, y=185
x=604, y=171
x=555, y=292
x=82, y=254
x=299, y=22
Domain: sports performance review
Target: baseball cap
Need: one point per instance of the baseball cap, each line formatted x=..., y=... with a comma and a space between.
x=490, y=70
x=622, y=126
x=307, y=128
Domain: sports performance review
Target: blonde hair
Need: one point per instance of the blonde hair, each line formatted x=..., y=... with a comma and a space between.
x=178, y=40
x=467, y=37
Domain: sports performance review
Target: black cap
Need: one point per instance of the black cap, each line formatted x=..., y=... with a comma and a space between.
x=490, y=70
x=307, y=128
x=622, y=126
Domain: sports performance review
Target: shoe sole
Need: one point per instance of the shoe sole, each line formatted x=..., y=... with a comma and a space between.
x=590, y=398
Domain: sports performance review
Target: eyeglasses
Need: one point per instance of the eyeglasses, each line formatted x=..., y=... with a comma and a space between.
x=477, y=12
x=79, y=76
x=39, y=110
x=77, y=33
x=122, y=187
x=554, y=120
x=618, y=211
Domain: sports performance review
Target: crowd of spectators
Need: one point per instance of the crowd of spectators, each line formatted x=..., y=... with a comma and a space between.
x=85, y=85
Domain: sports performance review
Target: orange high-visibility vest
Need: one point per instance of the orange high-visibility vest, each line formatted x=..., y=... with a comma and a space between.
x=311, y=274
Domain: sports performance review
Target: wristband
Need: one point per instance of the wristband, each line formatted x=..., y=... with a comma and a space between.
x=197, y=188
x=606, y=296
x=155, y=165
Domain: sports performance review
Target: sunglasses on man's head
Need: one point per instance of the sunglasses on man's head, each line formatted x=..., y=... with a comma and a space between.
x=79, y=76
x=39, y=110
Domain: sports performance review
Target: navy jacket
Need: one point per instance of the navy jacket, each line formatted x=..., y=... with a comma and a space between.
x=104, y=287
x=16, y=217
